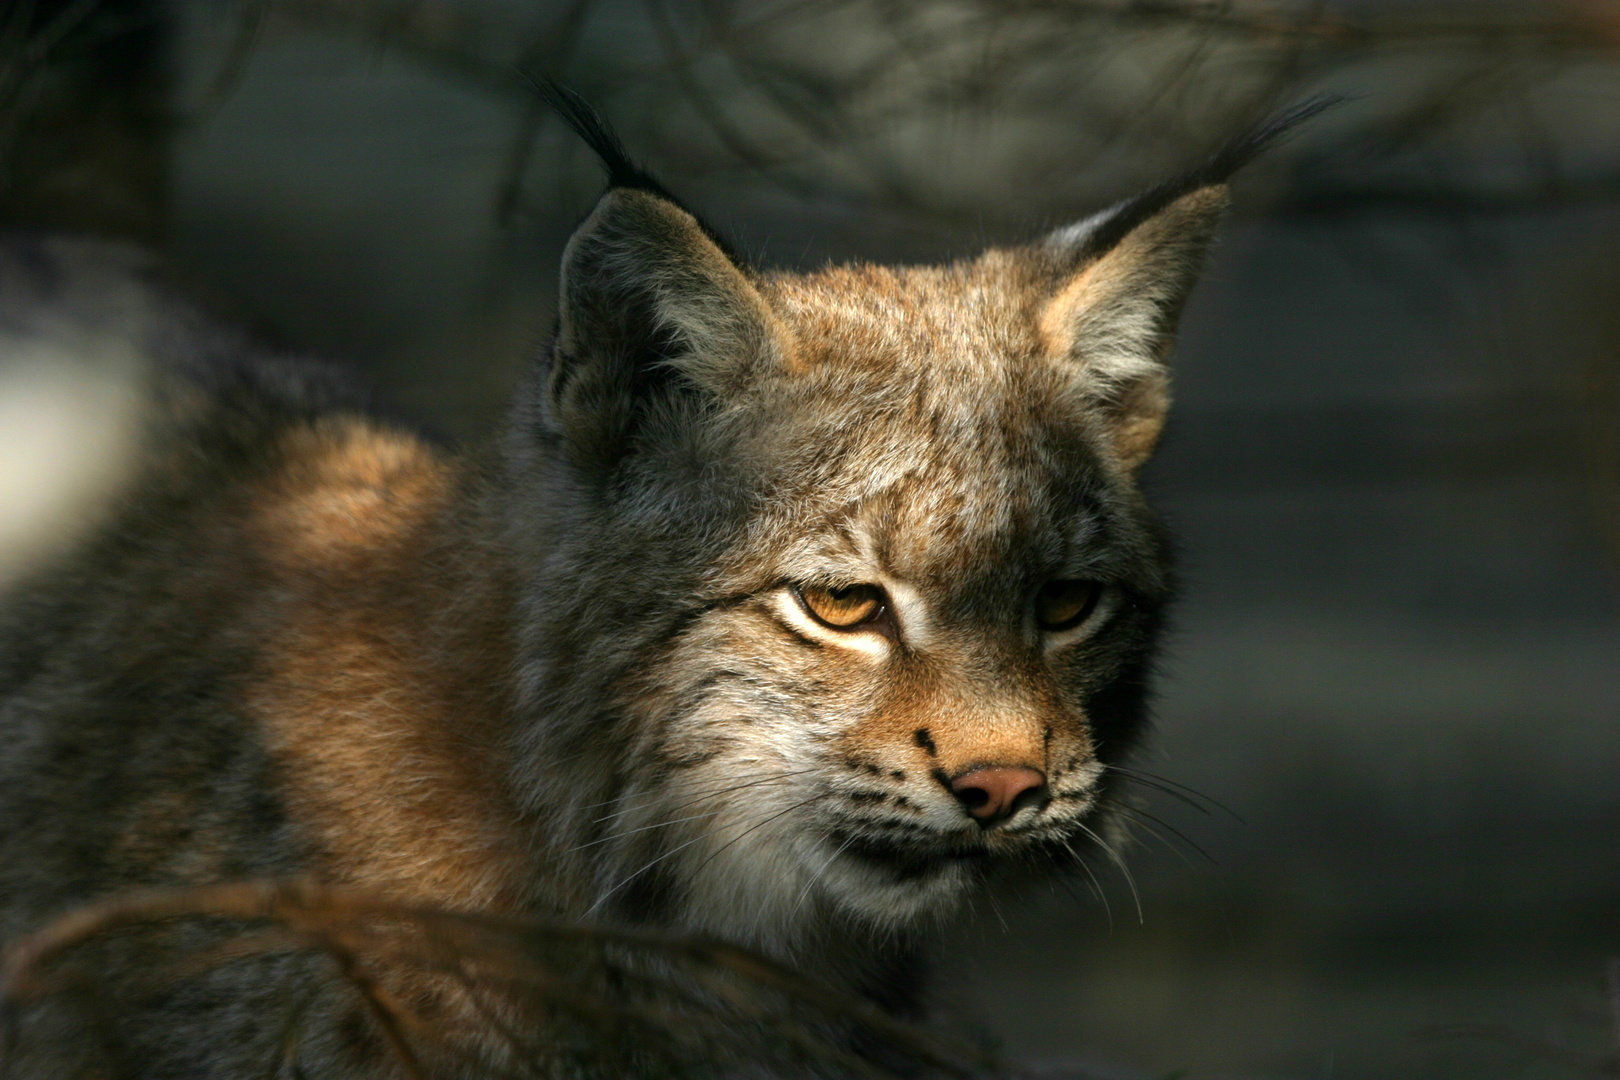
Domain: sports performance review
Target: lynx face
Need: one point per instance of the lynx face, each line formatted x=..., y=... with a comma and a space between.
x=944, y=571
x=841, y=597
x=895, y=591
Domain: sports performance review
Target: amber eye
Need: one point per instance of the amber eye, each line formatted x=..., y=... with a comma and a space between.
x=843, y=608
x=1061, y=605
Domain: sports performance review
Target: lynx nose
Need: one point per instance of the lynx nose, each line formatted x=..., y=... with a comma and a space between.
x=996, y=792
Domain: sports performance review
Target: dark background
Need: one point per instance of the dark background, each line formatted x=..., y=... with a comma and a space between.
x=1394, y=462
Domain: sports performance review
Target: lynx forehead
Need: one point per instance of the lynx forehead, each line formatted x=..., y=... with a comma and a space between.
x=794, y=608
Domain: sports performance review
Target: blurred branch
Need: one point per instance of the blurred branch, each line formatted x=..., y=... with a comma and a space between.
x=697, y=998
x=250, y=22
x=549, y=54
x=777, y=98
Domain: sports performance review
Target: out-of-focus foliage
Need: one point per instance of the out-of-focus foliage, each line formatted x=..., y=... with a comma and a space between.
x=1053, y=107
x=1455, y=106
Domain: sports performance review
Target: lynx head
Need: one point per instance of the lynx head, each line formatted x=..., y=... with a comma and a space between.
x=843, y=595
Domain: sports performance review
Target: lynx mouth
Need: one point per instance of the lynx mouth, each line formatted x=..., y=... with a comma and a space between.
x=910, y=861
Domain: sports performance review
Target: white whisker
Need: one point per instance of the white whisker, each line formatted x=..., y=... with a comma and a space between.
x=1118, y=861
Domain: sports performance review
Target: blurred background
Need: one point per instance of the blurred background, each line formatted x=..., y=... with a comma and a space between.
x=1393, y=465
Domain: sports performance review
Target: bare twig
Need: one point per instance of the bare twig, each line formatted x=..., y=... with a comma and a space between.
x=250, y=23
x=375, y=940
x=384, y=1011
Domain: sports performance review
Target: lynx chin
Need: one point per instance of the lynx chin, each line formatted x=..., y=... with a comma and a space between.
x=793, y=608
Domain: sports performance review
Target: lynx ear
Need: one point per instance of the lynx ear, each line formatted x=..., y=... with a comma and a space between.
x=653, y=313
x=1124, y=275
x=1115, y=315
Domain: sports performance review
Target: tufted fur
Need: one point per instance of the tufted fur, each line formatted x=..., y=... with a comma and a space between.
x=570, y=674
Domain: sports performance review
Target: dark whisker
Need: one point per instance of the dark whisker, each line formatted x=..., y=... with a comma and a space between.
x=1139, y=814
x=1170, y=791
x=1177, y=790
x=1154, y=833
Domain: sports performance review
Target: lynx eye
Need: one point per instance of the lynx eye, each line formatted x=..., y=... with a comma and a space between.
x=846, y=608
x=1062, y=605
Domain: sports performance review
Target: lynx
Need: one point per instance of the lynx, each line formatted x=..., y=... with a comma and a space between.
x=796, y=609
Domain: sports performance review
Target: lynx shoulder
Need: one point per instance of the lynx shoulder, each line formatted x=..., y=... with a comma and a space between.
x=795, y=609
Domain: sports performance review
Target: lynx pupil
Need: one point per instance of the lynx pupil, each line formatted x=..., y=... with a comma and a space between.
x=1061, y=605
x=845, y=607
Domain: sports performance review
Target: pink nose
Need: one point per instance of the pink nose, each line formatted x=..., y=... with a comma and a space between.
x=993, y=792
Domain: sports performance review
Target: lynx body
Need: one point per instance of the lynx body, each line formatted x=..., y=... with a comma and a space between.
x=791, y=608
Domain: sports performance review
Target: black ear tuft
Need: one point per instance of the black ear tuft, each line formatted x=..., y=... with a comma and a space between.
x=583, y=120
x=622, y=172
x=1113, y=225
